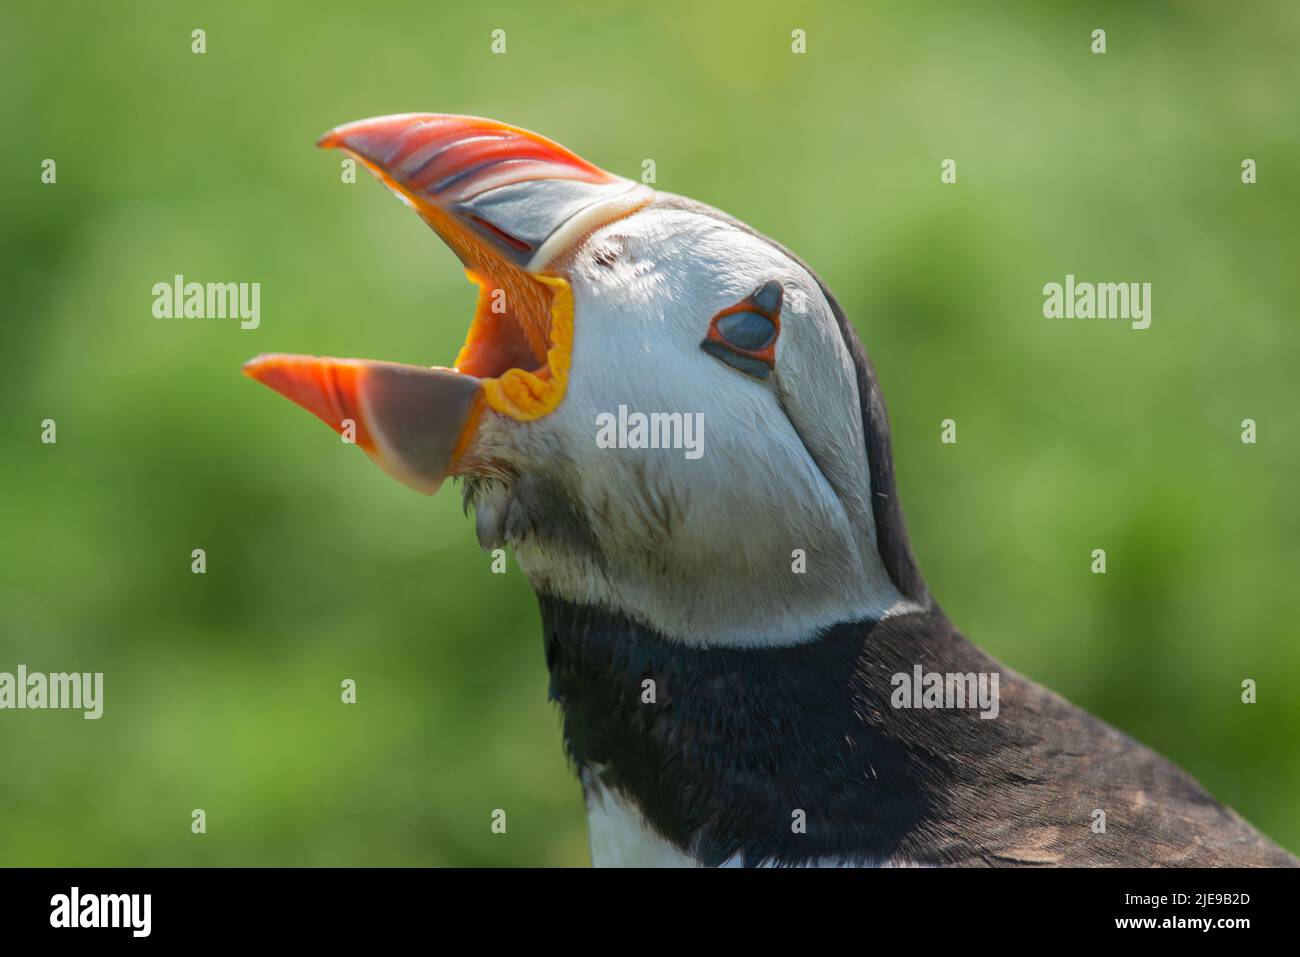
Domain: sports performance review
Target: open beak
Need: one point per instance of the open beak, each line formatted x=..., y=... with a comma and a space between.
x=510, y=204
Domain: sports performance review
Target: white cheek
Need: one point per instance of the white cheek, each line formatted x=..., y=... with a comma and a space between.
x=701, y=547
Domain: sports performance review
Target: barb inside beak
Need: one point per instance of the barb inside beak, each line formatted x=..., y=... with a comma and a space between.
x=509, y=203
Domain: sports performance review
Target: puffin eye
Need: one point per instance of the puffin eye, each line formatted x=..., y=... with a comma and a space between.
x=747, y=330
x=744, y=335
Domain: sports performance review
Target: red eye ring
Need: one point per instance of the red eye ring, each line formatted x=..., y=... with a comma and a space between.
x=764, y=301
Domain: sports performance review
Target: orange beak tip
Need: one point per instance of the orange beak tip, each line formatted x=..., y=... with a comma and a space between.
x=269, y=368
x=254, y=366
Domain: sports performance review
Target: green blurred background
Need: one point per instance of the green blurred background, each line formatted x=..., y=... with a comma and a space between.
x=222, y=690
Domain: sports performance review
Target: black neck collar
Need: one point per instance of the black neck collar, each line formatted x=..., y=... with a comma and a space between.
x=737, y=740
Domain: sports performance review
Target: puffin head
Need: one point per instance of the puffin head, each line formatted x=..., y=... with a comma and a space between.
x=663, y=412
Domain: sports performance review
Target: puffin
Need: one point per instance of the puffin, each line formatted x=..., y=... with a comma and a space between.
x=748, y=663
